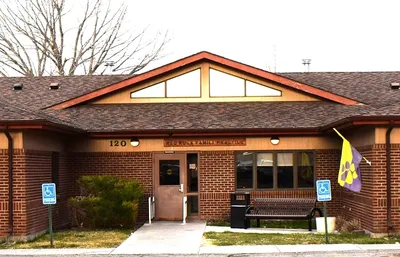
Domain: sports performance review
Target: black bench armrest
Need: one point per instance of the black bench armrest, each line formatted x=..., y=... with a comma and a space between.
x=248, y=210
x=313, y=210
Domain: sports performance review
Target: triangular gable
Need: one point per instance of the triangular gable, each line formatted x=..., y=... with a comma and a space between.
x=205, y=56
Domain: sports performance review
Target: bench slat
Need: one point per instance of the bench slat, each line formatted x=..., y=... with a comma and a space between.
x=275, y=208
x=282, y=206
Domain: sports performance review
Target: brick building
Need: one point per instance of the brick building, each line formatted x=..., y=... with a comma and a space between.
x=200, y=127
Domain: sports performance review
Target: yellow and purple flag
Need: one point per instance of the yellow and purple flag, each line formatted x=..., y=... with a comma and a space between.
x=349, y=171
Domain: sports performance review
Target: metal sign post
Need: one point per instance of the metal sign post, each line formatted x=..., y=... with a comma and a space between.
x=49, y=198
x=324, y=195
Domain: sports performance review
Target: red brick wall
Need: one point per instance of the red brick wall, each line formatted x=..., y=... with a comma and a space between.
x=360, y=205
x=19, y=193
x=31, y=169
x=3, y=193
x=327, y=167
x=60, y=212
x=395, y=177
x=370, y=204
x=39, y=171
x=20, y=219
x=217, y=181
x=136, y=165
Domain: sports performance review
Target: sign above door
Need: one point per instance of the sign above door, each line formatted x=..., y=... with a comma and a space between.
x=205, y=142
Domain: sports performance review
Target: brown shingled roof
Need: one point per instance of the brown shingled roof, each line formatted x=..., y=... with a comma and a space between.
x=31, y=103
x=372, y=88
x=206, y=116
x=11, y=113
x=211, y=58
x=14, y=114
x=36, y=94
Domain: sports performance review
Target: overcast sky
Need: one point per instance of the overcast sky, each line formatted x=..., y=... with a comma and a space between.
x=340, y=35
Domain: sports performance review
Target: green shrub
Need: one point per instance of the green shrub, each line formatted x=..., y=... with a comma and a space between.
x=107, y=202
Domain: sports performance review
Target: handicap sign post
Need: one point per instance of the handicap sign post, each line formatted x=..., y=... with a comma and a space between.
x=49, y=197
x=324, y=195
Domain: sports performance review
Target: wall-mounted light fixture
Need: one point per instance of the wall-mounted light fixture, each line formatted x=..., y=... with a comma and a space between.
x=274, y=140
x=134, y=141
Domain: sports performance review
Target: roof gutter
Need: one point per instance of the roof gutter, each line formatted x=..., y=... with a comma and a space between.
x=41, y=125
x=389, y=179
x=362, y=120
x=10, y=182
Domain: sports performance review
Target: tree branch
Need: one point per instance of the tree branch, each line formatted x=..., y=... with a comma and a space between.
x=39, y=37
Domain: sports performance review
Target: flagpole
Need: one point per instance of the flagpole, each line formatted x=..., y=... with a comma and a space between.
x=339, y=134
x=346, y=139
x=367, y=161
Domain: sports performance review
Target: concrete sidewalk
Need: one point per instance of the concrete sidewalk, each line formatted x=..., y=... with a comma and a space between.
x=176, y=238
x=164, y=237
x=28, y=252
x=247, y=249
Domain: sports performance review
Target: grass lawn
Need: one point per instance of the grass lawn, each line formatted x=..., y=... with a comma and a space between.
x=76, y=239
x=288, y=224
x=230, y=238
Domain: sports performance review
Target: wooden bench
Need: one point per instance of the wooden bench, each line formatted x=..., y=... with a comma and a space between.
x=283, y=208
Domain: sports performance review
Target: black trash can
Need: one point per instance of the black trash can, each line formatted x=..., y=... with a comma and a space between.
x=240, y=202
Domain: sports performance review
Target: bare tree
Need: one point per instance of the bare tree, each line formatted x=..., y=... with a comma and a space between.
x=66, y=37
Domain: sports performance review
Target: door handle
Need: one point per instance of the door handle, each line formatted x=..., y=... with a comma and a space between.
x=181, y=188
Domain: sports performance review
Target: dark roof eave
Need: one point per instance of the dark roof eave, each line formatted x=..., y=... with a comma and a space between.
x=205, y=132
x=41, y=125
x=361, y=120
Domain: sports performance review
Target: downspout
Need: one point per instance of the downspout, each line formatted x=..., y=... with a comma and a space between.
x=10, y=184
x=389, y=179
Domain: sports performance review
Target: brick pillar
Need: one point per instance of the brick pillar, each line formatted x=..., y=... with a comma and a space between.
x=327, y=167
x=395, y=161
x=3, y=193
x=217, y=181
x=60, y=212
x=370, y=206
x=20, y=215
x=38, y=171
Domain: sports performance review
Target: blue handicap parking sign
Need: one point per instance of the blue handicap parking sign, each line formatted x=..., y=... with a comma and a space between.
x=49, y=193
x=324, y=190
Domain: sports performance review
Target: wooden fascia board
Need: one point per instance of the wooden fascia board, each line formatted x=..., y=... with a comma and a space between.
x=22, y=127
x=130, y=81
x=201, y=134
x=361, y=121
x=214, y=58
x=282, y=80
x=39, y=125
x=376, y=122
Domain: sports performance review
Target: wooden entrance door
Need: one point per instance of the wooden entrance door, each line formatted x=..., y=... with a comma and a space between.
x=169, y=177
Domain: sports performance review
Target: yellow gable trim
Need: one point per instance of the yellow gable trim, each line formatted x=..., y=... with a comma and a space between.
x=124, y=95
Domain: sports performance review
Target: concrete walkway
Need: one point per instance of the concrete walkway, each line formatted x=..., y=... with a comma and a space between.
x=175, y=238
x=164, y=237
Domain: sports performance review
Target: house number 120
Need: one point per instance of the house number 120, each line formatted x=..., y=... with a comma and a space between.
x=118, y=143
